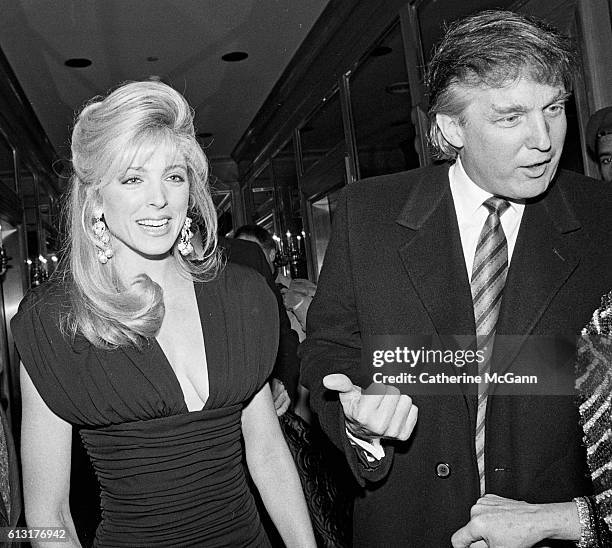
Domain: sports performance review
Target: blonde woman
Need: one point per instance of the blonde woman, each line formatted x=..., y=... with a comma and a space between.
x=160, y=360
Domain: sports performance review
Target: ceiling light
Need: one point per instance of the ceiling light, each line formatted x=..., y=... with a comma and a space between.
x=379, y=51
x=235, y=56
x=398, y=88
x=77, y=62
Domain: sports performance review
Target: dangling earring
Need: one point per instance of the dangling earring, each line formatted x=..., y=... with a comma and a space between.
x=184, y=243
x=102, y=237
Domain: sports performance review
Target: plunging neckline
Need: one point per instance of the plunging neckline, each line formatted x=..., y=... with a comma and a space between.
x=168, y=365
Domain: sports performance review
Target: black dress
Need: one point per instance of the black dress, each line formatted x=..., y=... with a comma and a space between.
x=168, y=477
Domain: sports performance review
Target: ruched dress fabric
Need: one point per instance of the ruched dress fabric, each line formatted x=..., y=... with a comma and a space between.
x=168, y=476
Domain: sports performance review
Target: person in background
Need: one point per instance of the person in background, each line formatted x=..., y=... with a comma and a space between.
x=261, y=237
x=294, y=304
x=599, y=141
x=297, y=298
x=161, y=361
x=497, y=247
x=244, y=248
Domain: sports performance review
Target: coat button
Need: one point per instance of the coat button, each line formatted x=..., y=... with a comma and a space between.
x=443, y=470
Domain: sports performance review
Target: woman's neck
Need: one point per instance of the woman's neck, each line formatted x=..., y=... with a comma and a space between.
x=163, y=271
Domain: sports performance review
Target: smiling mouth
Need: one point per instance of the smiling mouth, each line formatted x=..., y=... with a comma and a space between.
x=155, y=223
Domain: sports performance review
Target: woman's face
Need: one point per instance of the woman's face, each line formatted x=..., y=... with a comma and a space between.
x=145, y=208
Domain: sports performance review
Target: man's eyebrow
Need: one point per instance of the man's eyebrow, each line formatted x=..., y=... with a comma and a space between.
x=507, y=109
x=561, y=96
x=517, y=107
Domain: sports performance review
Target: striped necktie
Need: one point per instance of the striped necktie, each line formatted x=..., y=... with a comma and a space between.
x=487, y=284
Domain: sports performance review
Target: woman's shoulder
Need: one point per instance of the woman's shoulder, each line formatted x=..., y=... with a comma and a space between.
x=237, y=278
x=50, y=298
x=241, y=292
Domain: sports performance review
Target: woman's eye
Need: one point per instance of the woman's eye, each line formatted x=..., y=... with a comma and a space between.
x=131, y=181
x=176, y=178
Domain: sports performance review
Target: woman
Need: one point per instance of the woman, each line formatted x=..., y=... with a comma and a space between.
x=160, y=360
x=500, y=522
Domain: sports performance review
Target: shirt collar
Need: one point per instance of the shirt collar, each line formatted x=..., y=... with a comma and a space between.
x=467, y=195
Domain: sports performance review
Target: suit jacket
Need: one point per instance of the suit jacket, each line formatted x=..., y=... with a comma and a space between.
x=395, y=265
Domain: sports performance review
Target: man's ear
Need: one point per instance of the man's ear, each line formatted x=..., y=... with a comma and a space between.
x=451, y=129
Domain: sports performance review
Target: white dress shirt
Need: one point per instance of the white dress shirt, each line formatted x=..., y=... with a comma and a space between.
x=468, y=198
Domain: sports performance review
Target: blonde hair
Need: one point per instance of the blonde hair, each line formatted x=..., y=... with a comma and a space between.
x=108, y=133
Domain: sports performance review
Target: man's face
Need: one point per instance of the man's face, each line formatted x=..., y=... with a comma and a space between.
x=604, y=150
x=511, y=138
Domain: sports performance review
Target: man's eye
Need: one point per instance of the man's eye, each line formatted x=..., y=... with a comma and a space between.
x=606, y=161
x=556, y=109
x=509, y=120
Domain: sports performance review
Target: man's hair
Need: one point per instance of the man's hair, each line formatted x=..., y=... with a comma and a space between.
x=493, y=49
x=260, y=234
x=108, y=134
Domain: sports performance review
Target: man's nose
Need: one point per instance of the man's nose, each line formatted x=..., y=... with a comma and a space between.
x=157, y=194
x=539, y=133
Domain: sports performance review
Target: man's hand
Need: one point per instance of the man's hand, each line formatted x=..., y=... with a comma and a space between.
x=498, y=522
x=378, y=412
x=280, y=397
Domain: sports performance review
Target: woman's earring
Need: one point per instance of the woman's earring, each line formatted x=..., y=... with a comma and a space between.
x=102, y=237
x=184, y=243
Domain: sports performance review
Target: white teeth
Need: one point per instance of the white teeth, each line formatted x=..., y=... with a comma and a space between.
x=152, y=222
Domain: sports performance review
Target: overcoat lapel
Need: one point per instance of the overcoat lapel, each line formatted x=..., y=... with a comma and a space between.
x=547, y=251
x=432, y=256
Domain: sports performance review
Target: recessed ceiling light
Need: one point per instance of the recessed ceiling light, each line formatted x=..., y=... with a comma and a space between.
x=398, y=88
x=77, y=62
x=379, y=51
x=234, y=56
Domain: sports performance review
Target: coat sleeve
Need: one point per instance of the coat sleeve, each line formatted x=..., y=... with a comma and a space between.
x=333, y=344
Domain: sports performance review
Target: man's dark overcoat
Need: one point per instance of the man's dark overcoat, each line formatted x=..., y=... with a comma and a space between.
x=395, y=265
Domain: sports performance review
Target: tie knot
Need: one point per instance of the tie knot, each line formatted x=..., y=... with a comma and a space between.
x=496, y=205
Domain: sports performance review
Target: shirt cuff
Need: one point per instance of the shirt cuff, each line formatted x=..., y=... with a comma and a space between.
x=373, y=450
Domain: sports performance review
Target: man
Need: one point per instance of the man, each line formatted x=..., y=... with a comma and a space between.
x=599, y=141
x=260, y=236
x=501, y=247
